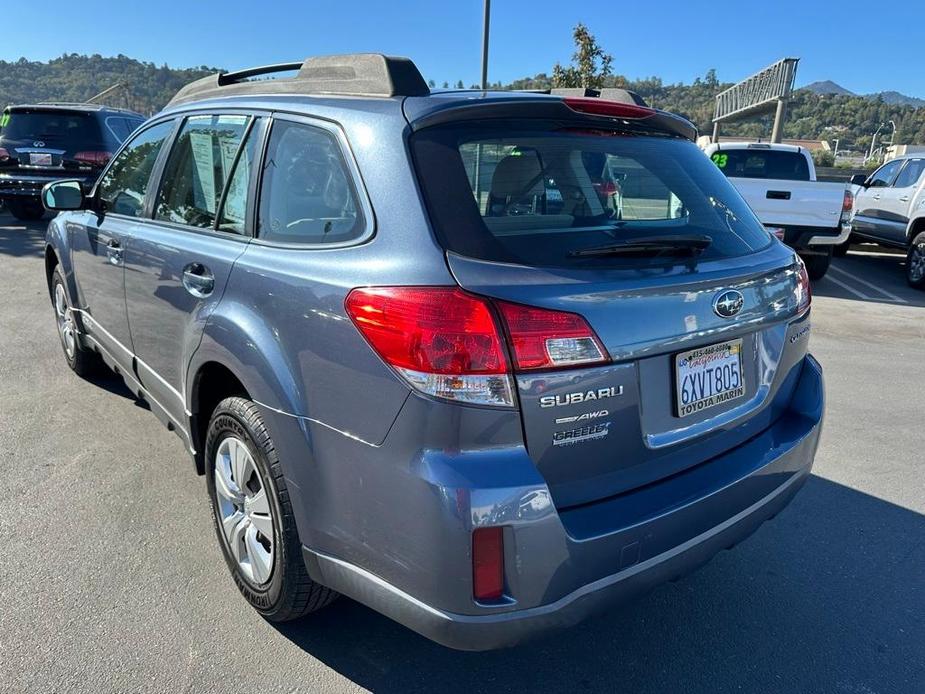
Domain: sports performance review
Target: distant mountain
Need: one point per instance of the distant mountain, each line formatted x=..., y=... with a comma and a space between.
x=827, y=87
x=889, y=97
x=898, y=99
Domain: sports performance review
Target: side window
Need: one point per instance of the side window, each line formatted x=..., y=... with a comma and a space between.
x=882, y=177
x=199, y=165
x=910, y=174
x=233, y=212
x=122, y=188
x=307, y=195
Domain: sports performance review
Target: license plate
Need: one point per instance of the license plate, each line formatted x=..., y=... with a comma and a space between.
x=709, y=376
x=39, y=159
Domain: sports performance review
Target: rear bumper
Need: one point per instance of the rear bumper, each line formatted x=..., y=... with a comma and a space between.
x=21, y=187
x=563, y=567
x=806, y=238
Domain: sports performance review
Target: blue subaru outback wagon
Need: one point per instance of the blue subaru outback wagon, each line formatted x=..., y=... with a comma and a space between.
x=487, y=362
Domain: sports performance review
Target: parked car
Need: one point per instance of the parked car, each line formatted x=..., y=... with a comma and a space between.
x=42, y=142
x=779, y=183
x=419, y=359
x=890, y=211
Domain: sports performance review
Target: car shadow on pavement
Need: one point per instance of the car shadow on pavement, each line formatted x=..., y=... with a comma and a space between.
x=870, y=274
x=829, y=596
x=20, y=239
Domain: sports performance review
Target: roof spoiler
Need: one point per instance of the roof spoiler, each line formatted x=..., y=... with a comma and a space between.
x=359, y=74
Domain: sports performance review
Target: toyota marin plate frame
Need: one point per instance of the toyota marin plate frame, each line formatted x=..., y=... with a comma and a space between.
x=708, y=376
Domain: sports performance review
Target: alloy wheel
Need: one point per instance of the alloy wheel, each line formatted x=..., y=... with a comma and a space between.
x=67, y=329
x=244, y=510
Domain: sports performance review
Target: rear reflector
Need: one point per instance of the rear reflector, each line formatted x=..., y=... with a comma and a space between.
x=545, y=339
x=487, y=563
x=443, y=341
x=602, y=107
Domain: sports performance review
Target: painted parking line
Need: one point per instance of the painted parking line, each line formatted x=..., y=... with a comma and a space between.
x=857, y=279
x=848, y=288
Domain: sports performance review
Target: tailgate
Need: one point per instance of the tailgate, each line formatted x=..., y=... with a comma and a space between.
x=595, y=432
x=793, y=203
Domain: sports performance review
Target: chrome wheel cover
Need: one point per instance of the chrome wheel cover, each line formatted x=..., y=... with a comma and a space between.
x=917, y=263
x=244, y=510
x=67, y=328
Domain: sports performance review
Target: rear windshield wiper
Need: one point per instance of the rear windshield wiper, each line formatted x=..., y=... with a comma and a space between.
x=651, y=246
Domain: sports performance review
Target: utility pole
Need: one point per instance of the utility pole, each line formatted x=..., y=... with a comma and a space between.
x=485, y=24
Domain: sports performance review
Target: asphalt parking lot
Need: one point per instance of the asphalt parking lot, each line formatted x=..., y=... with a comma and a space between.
x=111, y=580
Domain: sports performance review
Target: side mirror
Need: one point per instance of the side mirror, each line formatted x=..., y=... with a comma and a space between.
x=859, y=180
x=58, y=196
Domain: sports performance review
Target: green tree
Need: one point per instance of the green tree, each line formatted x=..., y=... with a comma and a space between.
x=823, y=157
x=590, y=67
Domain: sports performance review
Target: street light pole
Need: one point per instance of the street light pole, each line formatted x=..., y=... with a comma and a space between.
x=485, y=24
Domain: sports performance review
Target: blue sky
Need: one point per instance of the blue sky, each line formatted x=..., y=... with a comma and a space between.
x=846, y=41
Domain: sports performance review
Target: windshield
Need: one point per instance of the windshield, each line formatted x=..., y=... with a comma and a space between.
x=536, y=197
x=756, y=163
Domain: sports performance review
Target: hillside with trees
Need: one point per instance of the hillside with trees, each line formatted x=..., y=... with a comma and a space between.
x=812, y=115
x=78, y=77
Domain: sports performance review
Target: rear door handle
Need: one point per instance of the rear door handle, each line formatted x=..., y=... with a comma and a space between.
x=198, y=280
x=114, y=252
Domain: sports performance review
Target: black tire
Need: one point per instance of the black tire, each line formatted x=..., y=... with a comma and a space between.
x=26, y=210
x=288, y=593
x=817, y=265
x=84, y=362
x=915, y=262
x=841, y=250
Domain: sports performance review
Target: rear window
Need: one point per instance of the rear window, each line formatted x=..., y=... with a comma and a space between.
x=757, y=163
x=535, y=197
x=67, y=130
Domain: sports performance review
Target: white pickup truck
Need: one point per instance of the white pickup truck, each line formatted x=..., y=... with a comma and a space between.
x=779, y=184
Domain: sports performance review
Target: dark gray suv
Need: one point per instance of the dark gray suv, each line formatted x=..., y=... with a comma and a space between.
x=486, y=362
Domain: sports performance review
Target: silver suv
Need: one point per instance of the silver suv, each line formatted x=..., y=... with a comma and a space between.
x=486, y=362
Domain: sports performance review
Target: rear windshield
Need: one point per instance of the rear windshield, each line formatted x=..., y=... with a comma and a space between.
x=62, y=129
x=756, y=163
x=534, y=198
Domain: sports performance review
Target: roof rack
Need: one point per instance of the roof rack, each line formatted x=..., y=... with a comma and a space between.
x=359, y=74
x=77, y=104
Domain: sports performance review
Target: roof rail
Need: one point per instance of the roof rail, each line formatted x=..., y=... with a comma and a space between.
x=81, y=104
x=360, y=74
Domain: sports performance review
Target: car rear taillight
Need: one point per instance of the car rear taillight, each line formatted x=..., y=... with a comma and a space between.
x=777, y=232
x=447, y=343
x=443, y=341
x=93, y=158
x=847, y=205
x=545, y=339
x=803, y=293
x=487, y=563
x=4, y=155
x=602, y=107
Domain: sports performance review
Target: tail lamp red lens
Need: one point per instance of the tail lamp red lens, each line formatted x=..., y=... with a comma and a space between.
x=803, y=292
x=544, y=339
x=448, y=343
x=93, y=158
x=847, y=201
x=603, y=107
x=487, y=563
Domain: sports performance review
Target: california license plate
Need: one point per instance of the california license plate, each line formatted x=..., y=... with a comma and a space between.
x=709, y=376
x=39, y=159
